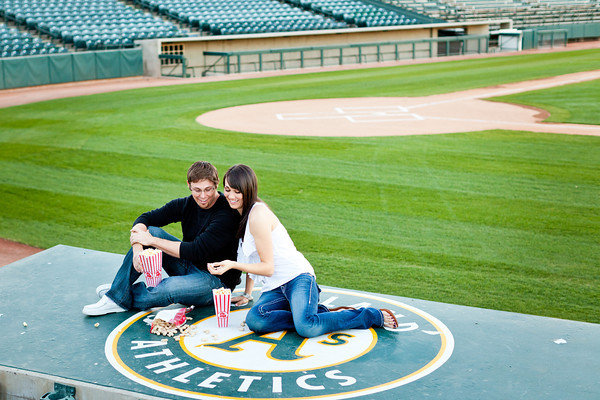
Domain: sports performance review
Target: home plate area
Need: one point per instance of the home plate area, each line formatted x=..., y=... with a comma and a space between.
x=357, y=114
x=442, y=351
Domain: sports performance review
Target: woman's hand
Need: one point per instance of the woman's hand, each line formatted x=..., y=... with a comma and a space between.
x=219, y=268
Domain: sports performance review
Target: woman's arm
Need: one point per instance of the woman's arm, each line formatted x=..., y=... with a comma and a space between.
x=261, y=222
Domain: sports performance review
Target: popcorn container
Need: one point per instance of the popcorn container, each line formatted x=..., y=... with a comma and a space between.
x=222, y=299
x=151, y=260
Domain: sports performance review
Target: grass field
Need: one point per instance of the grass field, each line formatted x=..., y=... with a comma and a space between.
x=498, y=219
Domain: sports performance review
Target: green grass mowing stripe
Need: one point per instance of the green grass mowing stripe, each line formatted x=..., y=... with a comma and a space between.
x=477, y=153
x=512, y=204
x=334, y=180
x=488, y=288
x=475, y=240
x=45, y=218
x=71, y=160
x=142, y=192
x=498, y=153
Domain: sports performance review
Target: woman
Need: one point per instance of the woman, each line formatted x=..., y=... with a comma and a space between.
x=290, y=294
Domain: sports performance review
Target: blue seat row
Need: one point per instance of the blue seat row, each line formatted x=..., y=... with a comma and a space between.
x=89, y=24
x=226, y=17
x=236, y=28
x=14, y=43
x=97, y=24
x=358, y=13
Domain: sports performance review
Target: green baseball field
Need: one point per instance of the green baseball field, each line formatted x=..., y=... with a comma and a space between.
x=503, y=220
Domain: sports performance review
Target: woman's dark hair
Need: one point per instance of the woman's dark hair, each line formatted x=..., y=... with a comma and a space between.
x=242, y=178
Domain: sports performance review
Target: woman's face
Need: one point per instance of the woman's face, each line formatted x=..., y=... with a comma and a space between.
x=234, y=197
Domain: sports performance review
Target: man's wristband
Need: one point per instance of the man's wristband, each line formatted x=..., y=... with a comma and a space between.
x=248, y=296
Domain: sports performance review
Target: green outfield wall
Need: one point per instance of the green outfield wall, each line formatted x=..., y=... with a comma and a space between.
x=70, y=67
x=542, y=35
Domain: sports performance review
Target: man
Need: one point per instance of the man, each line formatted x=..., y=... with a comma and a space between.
x=209, y=226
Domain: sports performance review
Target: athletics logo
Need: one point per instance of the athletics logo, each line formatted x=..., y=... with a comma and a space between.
x=235, y=363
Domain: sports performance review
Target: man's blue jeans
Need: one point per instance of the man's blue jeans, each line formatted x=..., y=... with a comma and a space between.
x=295, y=305
x=186, y=284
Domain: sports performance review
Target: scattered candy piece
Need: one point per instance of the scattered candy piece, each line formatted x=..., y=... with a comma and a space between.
x=96, y=324
x=25, y=324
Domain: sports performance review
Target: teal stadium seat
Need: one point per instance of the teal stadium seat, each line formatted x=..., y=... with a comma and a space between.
x=14, y=43
x=359, y=13
x=88, y=24
x=230, y=17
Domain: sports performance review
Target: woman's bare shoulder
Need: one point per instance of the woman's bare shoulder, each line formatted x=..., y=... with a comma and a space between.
x=262, y=214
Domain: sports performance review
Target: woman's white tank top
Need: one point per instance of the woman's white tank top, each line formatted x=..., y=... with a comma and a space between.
x=288, y=262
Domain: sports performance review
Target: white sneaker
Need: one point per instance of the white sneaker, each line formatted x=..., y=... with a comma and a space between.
x=102, y=289
x=102, y=307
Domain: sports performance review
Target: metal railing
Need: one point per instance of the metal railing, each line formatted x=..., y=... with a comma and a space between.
x=180, y=64
x=550, y=37
x=303, y=57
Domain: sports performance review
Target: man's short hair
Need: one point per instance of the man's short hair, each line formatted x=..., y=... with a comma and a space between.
x=201, y=170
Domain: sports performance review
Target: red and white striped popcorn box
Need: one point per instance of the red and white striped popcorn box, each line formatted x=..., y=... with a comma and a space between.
x=222, y=299
x=151, y=260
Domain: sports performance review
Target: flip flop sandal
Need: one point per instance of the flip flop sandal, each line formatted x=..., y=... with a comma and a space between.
x=389, y=328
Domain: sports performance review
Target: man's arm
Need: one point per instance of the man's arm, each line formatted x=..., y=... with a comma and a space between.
x=137, y=248
x=170, y=212
x=141, y=237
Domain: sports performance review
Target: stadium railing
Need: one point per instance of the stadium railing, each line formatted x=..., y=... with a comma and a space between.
x=534, y=38
x=178, y=65
x=303, y=57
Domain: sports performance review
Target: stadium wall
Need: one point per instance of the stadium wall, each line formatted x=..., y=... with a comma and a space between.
x=69, y=67
x=582, y=31
x=193, y=48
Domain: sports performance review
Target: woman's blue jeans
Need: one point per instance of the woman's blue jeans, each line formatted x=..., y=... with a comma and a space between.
x=295, y=305
x=186, y=284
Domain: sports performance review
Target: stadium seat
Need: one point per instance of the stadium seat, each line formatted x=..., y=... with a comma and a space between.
x=66, y=19
x=14, y=43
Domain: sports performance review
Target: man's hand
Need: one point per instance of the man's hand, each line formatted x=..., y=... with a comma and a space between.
x=137, y=264
x=140, y=236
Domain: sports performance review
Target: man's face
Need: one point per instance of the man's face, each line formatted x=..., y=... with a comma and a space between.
x=204, y=192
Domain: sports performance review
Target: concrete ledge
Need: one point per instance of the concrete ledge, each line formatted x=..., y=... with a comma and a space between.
x=27, y=385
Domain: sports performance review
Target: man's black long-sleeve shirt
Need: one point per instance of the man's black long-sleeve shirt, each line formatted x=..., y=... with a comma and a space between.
x=208, y=234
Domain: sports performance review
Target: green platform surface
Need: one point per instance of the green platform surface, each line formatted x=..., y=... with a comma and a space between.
x=487, y=354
